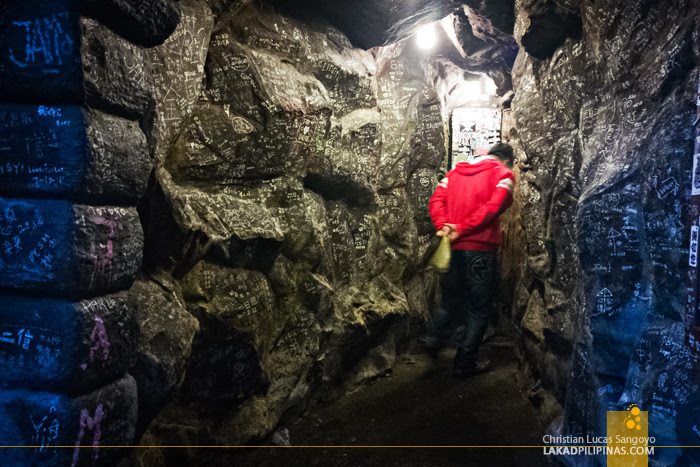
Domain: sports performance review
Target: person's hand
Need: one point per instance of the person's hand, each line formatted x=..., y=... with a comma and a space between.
x=444, y=230
x=453, y=232
x=453, y=235
x=448, y=230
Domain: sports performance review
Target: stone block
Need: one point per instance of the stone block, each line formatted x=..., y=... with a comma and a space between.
x=40, y=55
x=47, y=424
x=53, y=54
x=344, y=169
x=224, y=366
x=36, y=247
x=119, y=160
x=144, y=23
x=58, y=248
x=68, y=152
x=429, y=151
x=242, y=298
x=116, y=73
x=178, y=72
x=108, y=247
x=420, y=188
x=66, y=347
x=165, y=342
x=43, y=150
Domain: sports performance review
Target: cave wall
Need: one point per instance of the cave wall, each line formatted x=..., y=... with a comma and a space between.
x=287, y=213
x=74, y=161
x=211, y=214
x=604, y=109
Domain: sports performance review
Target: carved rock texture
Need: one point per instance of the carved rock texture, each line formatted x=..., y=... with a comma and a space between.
x=551, y=22
x=371, y=23
x=106, y=416
x=477, y=40
x=76, y=110
x=287, y=213
x=604, y=137
x=281, y=237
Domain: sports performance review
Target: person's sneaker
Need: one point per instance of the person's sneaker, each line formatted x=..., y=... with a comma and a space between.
x=472, y=370
x=431, y=346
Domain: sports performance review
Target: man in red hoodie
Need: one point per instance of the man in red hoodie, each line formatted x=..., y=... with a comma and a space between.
x=466, y=206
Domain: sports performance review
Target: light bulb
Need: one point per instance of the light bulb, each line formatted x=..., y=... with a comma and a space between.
x=426, y=36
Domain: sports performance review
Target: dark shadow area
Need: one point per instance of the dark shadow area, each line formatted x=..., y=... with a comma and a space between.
x=418, y=404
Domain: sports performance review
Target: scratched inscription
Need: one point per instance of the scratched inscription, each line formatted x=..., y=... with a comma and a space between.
x=40, y=51
x=33, y=242
x=42, y=149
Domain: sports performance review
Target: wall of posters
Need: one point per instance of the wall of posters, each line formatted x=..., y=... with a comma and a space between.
x=474, y=131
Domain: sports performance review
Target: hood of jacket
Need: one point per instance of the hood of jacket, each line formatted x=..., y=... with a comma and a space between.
x=481, y=164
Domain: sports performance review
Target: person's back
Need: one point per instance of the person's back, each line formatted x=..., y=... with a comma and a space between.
x=466, y=198
x=466, y=206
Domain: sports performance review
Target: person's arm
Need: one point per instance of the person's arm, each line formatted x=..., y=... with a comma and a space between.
x=500, y=200
x=437, y=206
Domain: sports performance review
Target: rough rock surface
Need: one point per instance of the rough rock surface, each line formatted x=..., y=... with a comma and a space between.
x=604, y=141
x=551, y=22
x=105, y=417
x=69, y=250
x=143, y=23
x=76, y=104
x=475, y=41
x=40, y=60
x=371, y=23
x=165, y=344
x=68, y=347
x=284, y=231
x=67, y=152
x=291, y=185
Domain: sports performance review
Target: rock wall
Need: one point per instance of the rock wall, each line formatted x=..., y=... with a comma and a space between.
x=287, y=213
x=74, y=161
x=604, y=111
x=210, y=215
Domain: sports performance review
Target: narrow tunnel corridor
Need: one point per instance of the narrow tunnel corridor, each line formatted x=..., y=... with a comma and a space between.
x=215, y=231
x=417, y=404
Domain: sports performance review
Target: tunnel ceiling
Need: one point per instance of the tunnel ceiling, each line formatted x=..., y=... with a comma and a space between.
x=484, y=45
x=371, y=23
x=483, y=30
x=481, y=33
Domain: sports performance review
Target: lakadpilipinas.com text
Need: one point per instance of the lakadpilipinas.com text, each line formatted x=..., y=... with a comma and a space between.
x=593, y=445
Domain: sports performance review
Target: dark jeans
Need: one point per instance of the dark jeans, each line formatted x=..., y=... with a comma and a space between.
x=467, y=298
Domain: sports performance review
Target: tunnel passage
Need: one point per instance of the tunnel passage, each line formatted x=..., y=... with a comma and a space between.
x=213, y=213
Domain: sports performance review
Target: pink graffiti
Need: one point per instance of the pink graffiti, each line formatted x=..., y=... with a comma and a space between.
x=104, y=254
x=92, y=424
x=111, y=223
x=98, y=341
x=103, y=262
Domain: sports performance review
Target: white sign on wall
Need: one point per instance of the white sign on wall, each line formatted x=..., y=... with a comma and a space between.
x=696, y=176
x=474, y=131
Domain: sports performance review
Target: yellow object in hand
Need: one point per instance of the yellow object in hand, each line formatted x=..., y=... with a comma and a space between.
x=441, y=259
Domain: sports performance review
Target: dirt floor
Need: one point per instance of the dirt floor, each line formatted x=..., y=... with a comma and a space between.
x=418, y=404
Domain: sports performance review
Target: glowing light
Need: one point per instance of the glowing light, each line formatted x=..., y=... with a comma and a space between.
x=490, y=87
x=426, y=37
x=472, y=89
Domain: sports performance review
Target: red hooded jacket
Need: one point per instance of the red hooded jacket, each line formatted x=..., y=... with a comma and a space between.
x=472, y=196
